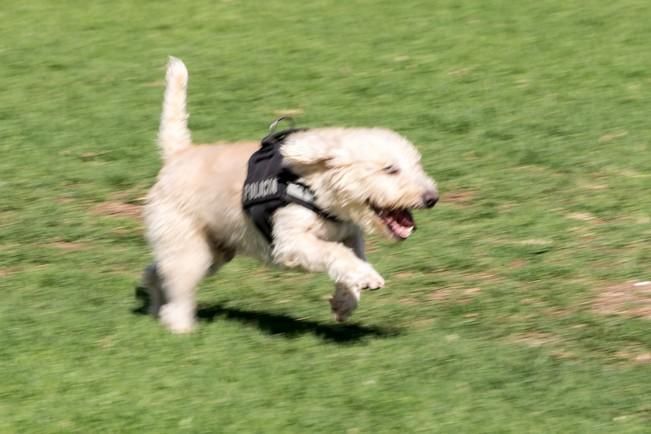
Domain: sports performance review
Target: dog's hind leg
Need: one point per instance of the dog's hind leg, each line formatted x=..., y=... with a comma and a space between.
x=183, y=258
x=150, y=291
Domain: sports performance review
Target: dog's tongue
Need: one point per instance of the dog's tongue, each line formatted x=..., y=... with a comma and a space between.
x=400, y=222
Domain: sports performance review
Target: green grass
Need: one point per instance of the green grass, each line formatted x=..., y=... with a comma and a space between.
x=532, y=116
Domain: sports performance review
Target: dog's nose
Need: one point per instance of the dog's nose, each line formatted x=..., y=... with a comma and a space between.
x=430, y=198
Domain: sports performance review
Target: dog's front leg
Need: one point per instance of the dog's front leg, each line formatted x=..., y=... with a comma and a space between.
x=340, y=262
x=356, y=242
x=350, y=273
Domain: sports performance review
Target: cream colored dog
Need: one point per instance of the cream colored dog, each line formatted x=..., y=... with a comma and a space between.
x=369, y=179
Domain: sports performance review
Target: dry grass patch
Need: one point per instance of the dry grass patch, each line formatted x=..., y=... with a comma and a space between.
x=585, y=217
x=455, y=295
x=460, y=198
x=632, y=299
x=534, y=339
x=635, y=355
x=118, y=209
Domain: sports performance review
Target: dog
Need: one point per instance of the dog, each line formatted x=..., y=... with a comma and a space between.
x=357, y=181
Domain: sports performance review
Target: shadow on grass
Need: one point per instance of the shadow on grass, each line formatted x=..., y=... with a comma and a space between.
x=285, y=325
x=278, y=323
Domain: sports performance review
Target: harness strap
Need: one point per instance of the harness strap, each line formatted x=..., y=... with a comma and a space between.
x=270, y=185
x=301, y=194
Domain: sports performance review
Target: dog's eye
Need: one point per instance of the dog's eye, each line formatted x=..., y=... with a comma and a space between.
x=391, y=169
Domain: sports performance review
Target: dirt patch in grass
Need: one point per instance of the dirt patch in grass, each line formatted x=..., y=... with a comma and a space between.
x=632, y=299
x=635, y=355
x=455, y=295
x=460, y=198
x=404, y=275
x=440, y=295
x=534, y=339
x=516, y=264
x=585, y=217
x=118, y=209
x=289, y=112
x=611, y=136
x=409, y=301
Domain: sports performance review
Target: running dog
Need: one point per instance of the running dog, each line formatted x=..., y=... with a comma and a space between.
x=303, y=199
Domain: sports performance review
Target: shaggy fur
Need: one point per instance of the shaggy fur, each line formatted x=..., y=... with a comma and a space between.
x=368, y=178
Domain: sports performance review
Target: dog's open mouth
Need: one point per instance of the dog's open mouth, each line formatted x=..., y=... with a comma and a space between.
x=400, y=222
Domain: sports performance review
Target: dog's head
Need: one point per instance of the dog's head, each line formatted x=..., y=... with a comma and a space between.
x=372, y=177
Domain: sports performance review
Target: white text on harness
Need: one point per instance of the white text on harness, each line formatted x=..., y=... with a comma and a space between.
x=260, y=189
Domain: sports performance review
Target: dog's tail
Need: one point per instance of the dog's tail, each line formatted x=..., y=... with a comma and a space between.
x=173, y=134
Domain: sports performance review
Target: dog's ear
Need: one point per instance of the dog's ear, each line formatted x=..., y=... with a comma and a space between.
x=312, y=151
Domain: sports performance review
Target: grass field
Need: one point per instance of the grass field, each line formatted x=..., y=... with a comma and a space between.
x=512, y=309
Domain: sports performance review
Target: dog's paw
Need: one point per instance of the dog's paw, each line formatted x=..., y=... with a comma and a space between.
x=343, y=302
x=178, y=320
x=363, y=277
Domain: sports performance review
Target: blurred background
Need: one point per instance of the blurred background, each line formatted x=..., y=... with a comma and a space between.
x=522, y=303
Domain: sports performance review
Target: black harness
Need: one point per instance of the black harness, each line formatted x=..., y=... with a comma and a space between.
x=269, y=185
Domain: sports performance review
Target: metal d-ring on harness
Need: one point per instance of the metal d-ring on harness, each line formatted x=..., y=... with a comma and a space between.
x=274, y=124
x=269, y=185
